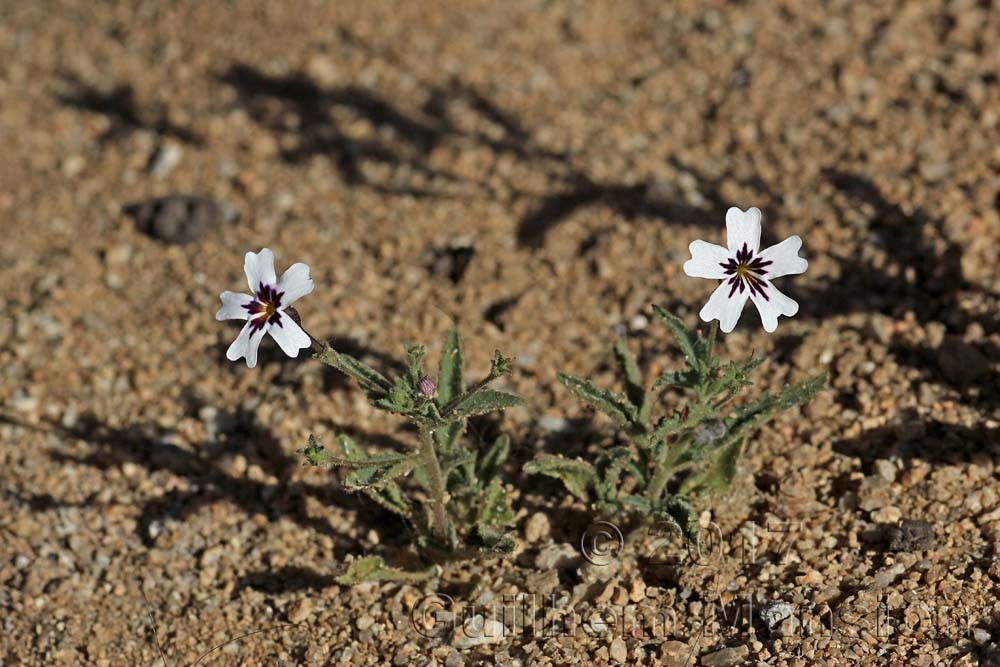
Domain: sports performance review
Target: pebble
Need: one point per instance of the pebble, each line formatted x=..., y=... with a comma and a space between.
x=165, y=159
x=727, y=657
x=553, y=424
x=560, y=556
x=537, y=527
x=300, y=611
x=365, y=622
x=775, y=613
x=618, y=650
x=479, y=630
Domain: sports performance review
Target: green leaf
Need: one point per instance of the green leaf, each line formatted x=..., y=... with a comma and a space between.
x=315, y=453
x=719, y=474
x=414, y=364
x=450, y=370
x=377, y=471
x=577, y=475
x=373, y=568
x=481, y=402
x=391, y=497
x=612, y=465
x=489, y=465
x=374, y=384
x=691, y=346
x=755, y=414
x=494, y=508
x=638, y=503
x=686, y=379
x=679, y=511
x=609, y=402
x=635, y=386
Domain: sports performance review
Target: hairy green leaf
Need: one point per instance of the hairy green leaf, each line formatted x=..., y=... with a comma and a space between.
x=489, y=464
x=679, y=511
x=481, y=402
x=693, y=349
x=635, y=386
x=450, y=371
x=494, y=508
x=373, y=568
x=391, y=497
x=609, y=402
x=374, y=384
x=577, y=475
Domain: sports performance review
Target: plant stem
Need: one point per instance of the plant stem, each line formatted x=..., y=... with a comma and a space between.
x=436, y=478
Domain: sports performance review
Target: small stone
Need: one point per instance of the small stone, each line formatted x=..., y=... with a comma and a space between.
x=365, y=622
x=890, y=514
x=886, y=470
x=454, y=659
x=300, y=611
x=675, y=653
x=478, y=631
x=73, y=165
x=618, y=650
x=885, y=576
x=775, y=613
x=911, y=535
x=558, y=556
x=726, y=657
x=165, y=160
x=960, y=362
x=553, y=424
x=981, y=636
x=537, y=527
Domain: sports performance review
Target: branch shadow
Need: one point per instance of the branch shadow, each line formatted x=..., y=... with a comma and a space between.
x=120, y=106
x=931, y=440
x=210, y=481
x=929, y=292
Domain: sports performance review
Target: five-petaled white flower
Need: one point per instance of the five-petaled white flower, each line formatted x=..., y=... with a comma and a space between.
x=264, y=310
x=747, y=271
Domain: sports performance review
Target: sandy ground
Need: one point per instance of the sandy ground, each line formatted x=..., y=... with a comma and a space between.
x=533, y=171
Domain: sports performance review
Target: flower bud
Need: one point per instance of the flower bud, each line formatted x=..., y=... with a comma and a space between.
x=427, y=386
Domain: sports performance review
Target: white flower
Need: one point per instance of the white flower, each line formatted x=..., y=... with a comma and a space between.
x=747, y=271
x=264, y=310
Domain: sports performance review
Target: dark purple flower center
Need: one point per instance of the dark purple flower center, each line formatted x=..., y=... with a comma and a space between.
x=264, y=308
x=746, y=271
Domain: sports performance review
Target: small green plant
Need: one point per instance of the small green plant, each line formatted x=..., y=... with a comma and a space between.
x=459, y=506
x=670, y=460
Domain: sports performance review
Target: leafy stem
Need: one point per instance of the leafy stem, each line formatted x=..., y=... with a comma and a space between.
x=428, y=455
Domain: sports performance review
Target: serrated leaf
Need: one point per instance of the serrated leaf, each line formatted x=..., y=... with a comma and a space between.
x=414, y=364
x=687, y=340
x=373, y=568
x=490, y=463
x=679, y=511
x=635, y=386
x=686, y=379
x=500, y=366
x=577, y=475
x=609, y=402
x=494, y=509
x=374, y=384
x=755, y=414
x=719, y=474
x=451, y=382
x=376, y=471
x=481, y=402
x=391, y=497
x=638, y=503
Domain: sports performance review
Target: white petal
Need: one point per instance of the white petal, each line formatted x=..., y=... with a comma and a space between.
x=743, y=227
x=784, y=258
x=232, y=306
x=289, y=335
x=246, y=345
x=706, y=260
x=776, y=304
x=295, y=282
x=259, y=268
x=723, y=308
